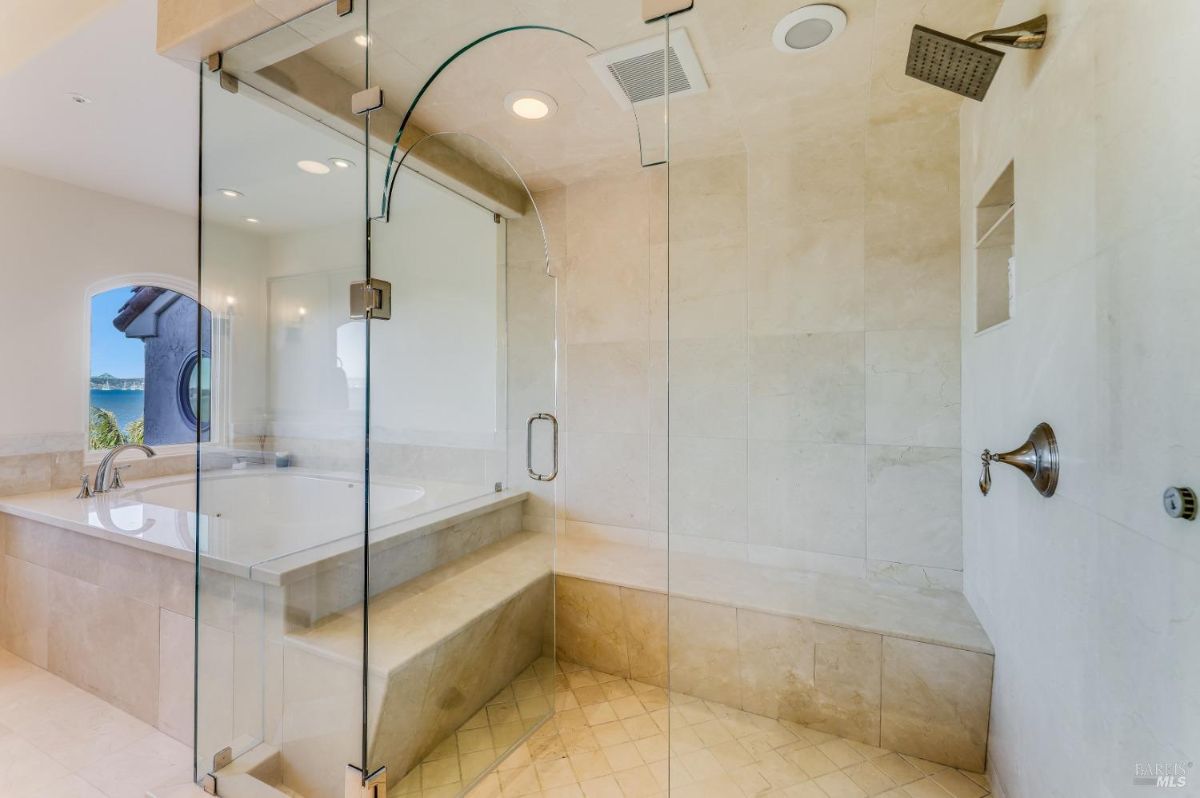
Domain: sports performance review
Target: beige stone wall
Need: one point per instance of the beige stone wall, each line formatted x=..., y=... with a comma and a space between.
x=812, y=311
x=1089, y=597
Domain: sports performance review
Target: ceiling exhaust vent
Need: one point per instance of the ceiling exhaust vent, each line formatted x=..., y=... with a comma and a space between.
x=633, y=73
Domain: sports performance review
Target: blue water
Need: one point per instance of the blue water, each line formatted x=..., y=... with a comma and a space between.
x=127, y=405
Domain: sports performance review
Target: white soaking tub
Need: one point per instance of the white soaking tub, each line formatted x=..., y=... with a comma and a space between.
x=258, y=522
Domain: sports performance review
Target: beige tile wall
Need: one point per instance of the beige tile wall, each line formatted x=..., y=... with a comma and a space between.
x=37, y=471
x=932, y=701
x=812, y=311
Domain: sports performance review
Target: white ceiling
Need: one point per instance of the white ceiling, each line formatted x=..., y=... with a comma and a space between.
x=756, y=91
x=138, y=137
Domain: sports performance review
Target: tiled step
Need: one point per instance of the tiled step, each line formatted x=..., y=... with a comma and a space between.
x=441, y=646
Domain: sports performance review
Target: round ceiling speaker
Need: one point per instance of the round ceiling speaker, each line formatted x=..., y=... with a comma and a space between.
x=809, y=28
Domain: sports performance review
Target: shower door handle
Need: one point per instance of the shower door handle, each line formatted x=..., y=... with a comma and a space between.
x=529, y=446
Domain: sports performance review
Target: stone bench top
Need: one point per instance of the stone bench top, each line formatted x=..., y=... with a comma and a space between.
x=941, y=617
x=421, y=613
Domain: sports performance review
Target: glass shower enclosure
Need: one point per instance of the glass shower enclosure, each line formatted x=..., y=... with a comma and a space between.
x=377, y=504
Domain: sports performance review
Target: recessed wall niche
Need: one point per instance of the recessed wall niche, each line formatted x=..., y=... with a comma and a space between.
x=995, y=231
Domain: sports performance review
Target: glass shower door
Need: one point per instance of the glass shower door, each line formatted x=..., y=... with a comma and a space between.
x=280, y=485
x=467, y=231
x=387, y=376
x=460, y=640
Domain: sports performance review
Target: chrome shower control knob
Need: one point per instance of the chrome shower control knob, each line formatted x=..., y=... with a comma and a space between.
x=1180, y=503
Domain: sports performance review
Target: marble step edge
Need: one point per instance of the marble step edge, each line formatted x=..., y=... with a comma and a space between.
x=315, y=640
x=968, y=636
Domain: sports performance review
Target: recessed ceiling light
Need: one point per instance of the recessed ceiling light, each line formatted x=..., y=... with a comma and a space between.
x=808, y=28
x=528, y=104
x=78, y=98
x=362, y=40
x=313, y=167
x=229, y=192
x=251, y=220
x=341, y=163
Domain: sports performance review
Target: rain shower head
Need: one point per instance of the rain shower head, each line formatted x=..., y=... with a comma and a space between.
x=964, y=66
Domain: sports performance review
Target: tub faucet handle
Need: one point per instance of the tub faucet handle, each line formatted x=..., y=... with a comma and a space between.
x=85, y=487
x=117, y=482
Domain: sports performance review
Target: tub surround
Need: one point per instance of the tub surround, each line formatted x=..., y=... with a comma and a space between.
x=103, y=615
x=112, y=611
x=155, y=515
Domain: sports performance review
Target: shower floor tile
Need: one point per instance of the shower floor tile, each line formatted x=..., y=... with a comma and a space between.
x=608, y=739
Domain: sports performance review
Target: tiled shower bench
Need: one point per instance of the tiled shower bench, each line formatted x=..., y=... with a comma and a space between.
x=905, y=668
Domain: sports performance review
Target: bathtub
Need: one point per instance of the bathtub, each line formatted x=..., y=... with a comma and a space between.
x=254, y=516
x=248, y=519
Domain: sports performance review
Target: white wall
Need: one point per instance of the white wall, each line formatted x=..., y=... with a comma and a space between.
x=56, y=241
x=1090, y=597
x=435, y=361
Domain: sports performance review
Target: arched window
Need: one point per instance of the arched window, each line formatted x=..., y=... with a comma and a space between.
x=150, y=377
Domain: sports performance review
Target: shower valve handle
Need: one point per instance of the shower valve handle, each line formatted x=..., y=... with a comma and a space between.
x=1037, y=459
x=985, y=479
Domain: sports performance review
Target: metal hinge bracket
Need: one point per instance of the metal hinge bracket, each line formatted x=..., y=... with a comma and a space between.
x=214, y=62
x=371, y=299
x=655, y=10
x=345, y=7
x=373, y=786
x=367, y=100
x=221, y=759
x=229, y=83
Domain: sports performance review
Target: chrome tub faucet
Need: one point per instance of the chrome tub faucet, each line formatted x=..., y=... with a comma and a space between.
x=105, y=471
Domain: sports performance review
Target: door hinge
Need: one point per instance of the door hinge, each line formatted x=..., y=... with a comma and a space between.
x=214, y=62
x=373, y=786
x=367, y=100
x=654, y=10
x=345, y=7
x=371, y=299
x=221, y=759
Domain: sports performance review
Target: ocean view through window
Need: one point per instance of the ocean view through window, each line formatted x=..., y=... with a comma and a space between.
x=144, y=382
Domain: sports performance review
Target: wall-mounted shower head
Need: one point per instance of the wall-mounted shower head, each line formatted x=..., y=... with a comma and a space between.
x=964, y=66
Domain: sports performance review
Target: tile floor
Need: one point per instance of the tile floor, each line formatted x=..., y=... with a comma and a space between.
x=57, y=740
x=608, y=739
